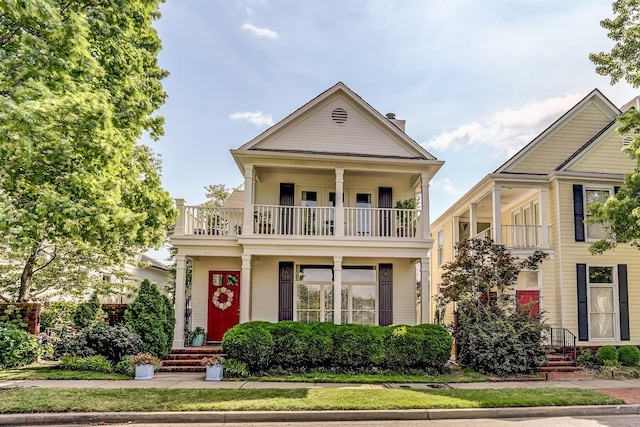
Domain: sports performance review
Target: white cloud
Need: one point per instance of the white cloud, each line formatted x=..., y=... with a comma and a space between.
x=445, y=185
x=508, y=130
x=260, y=32
x=258, y=118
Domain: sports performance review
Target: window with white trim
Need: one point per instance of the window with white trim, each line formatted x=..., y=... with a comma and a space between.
x=358, y=295
x=440, y=246
x=314, y=293
x=602, y=303
x=595, y=195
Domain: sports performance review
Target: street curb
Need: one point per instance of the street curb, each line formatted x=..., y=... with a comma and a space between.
x=302, y=416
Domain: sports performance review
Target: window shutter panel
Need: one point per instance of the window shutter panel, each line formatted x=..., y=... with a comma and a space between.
x=385, y=294
x=578, y=212
x=623, y=298
x=285, y=292
x=616, y=189
x=583, y=320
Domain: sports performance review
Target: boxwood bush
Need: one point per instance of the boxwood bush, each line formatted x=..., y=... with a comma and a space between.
x=348, y=348
x=629, y=355
x=99, y=339
x=607, y=355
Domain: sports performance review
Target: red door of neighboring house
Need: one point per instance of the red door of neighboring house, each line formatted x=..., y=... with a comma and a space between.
x=224, y=303
x=528, y=297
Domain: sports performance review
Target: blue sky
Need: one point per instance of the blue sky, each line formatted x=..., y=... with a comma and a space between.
x=474, y=79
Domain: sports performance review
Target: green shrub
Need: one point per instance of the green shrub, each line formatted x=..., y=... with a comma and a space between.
x=586, y=358
x=250, y=343
x=499, y=342
x=357, y=347
x=320, y=345
x=11, y=318
x=290, y=344
x=57, y=316
x=629, y=355
x=235, y=369
x=126, y=366
x=88, y=312
x=607, y=355
x=17, y=348
x=91, y=363
x=151, y=316
x=112, y=342
x=417, y=347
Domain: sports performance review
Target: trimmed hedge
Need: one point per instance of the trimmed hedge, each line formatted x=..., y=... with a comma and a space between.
x=293, y=345
x=607, y=355
x=629, y=355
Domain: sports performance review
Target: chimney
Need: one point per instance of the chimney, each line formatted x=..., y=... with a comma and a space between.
x=399, y=123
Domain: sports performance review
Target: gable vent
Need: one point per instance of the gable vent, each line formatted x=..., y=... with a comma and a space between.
x=339, y=115
x=626, y=141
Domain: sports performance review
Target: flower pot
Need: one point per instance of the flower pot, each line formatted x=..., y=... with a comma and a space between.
x=144, y=372
x=214, y=373
x=198, y=340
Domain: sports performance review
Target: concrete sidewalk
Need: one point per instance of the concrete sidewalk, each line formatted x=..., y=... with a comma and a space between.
x=195, y=380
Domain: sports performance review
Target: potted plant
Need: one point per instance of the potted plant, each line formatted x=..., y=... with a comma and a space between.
x=195, y=338
x=405, y=220
x=146, y=364
x=263, y=220
x=214, y=366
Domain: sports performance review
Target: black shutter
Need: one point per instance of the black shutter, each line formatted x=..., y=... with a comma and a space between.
x=616, y=189
x=578, y=212
x=623, y=298
x=583, y=319
x=385, y=294
x=285, y=292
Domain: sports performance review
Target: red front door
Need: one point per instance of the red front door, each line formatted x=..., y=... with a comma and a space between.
x=529, y=297
x=224, y=303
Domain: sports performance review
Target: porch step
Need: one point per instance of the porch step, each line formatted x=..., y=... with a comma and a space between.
x=559, y=363
x=188, y=359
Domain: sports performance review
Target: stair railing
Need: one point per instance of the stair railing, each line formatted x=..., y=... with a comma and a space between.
x=564, y=339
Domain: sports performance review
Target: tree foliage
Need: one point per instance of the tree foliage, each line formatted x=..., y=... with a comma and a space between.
x=493, y=334
x=621, y=212
x=79, y=83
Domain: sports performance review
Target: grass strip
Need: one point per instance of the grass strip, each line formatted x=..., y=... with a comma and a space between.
x=32, y=400
x=48, y=372
x=378, y=378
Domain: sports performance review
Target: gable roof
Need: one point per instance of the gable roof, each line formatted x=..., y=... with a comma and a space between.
x=336, y=91
x=594, y=97
x=580, y=150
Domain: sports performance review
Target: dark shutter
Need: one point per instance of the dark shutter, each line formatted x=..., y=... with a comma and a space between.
x=623, y=298
x=385, y=294
x=285, y=291
x=385, y=201
x=578, y=212
x=583, y=320
x=287, y=198
x=616, y=189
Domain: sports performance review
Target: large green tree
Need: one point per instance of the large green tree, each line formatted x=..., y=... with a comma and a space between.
x=79, y=84
x=622, y=211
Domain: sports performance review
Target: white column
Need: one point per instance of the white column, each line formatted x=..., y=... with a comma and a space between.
x=425, y=279
x=245, y=289
x=181, y=220
x=178, y=332
x=426, y=222
x=338, y=223
x=497, y=224
x=473, y=219
x=247, y=226
x=337, y=289
x=544, y=222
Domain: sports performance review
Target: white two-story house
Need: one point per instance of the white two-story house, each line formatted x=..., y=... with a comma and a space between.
x=332, y=225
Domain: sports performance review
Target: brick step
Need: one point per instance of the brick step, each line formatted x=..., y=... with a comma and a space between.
x=557, y=357
x=560, y=369
x=206, y=349
x=197, y=356
x=560, y=362
x=198, y=368
x=187, y=362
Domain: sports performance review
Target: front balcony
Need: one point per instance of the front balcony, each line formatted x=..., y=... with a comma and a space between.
x=518, y=236
x=307, y=221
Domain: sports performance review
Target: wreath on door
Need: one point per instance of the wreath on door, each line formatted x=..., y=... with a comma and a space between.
x=216, y=298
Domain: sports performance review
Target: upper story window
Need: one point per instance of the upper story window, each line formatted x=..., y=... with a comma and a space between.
x=595, y=195
x=440, y=246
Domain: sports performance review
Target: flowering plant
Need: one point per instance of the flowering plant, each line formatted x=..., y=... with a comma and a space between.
x=212, y=361
x=146, y=359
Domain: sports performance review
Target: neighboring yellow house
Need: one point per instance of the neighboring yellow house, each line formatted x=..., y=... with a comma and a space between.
x=538, y=199
x=316, y=235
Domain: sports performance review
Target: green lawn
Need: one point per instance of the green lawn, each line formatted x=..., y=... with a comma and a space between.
x=378, y=378
x=82, y=400
x=49, y=371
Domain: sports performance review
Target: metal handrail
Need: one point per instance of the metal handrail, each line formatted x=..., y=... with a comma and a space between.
x=566, y=340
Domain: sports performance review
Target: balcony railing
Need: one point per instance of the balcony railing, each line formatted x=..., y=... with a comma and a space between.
x=208, y=221
x=293, y=220
x=382, y=222
x=516, y=236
